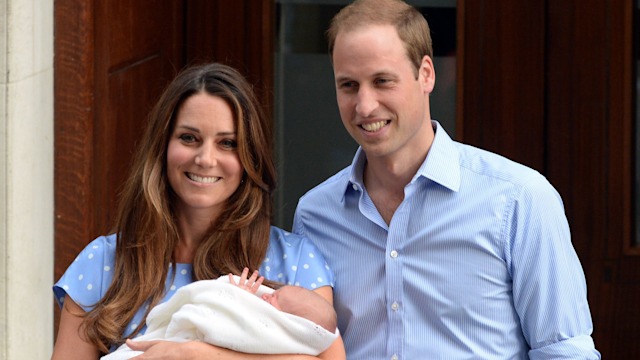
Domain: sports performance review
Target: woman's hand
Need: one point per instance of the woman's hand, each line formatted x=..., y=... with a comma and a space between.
x=166, y=350
x=192, y=350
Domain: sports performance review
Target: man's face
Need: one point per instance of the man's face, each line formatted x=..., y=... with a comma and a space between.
x=382, y=104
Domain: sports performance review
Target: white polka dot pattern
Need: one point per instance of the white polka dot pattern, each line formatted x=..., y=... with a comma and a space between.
x=89, y=276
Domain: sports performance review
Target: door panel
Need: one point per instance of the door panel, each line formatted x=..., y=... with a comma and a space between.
x=138, y=50
x=73, y=107
x=501, y=99
x=236, y=33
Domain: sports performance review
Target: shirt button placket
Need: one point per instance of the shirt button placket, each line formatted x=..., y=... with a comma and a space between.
x=395, y=306
x=394, y=280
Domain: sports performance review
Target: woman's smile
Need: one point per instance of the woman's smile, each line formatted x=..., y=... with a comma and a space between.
x=202, y=179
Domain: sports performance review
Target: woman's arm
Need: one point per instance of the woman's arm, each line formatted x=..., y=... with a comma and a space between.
x=160, y=349
x=69, y=344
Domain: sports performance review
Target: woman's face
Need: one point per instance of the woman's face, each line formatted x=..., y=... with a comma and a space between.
x=203, y=166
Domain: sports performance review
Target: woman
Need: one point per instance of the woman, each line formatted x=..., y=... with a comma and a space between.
x=197, y=205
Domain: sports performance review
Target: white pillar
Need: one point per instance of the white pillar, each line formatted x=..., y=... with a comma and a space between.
x=26, y=179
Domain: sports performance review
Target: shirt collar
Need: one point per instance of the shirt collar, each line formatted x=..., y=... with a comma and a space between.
x=442, y=164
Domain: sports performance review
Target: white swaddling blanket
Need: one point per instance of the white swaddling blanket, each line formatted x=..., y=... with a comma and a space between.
x=222, y=314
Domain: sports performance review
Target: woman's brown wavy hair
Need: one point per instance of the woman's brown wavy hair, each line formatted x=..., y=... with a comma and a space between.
x=146, y=226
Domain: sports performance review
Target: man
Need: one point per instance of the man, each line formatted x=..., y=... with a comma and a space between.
x=440, y=250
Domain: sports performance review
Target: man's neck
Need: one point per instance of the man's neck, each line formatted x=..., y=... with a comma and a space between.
x=385, y=182
x=385, y=177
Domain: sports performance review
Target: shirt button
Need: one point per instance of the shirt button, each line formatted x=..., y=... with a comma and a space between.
x=355, y=187
x=394, y=254
x=395, y=306
x=394, y=357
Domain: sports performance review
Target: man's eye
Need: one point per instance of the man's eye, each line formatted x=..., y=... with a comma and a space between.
x=347, y=85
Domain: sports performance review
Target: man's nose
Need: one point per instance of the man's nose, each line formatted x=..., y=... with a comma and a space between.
x=366, y=102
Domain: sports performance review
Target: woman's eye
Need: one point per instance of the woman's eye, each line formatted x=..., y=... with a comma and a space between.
x=228, y=143
x=187, y=138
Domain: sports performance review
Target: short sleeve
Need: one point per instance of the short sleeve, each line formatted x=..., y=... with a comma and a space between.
x=294, y=260
x=89, y=275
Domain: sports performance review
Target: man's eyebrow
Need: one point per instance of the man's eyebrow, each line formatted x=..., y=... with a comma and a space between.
x=342, y=79
x=384, y=74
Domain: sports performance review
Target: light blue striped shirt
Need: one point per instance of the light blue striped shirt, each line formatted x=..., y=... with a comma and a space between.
x=477, y=262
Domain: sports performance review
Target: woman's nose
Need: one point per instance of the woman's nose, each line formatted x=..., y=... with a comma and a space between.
x=206, y=156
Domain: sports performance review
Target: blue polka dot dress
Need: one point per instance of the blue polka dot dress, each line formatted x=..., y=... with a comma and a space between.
x=291, y=259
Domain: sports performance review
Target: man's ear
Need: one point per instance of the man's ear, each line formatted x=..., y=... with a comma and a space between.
x=427, y=74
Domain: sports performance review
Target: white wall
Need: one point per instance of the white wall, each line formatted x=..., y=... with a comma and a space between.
x=26, y=179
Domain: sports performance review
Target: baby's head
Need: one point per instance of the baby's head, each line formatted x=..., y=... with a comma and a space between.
x=305, y=303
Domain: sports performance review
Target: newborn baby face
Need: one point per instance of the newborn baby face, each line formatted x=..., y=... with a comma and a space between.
x=280, y=297
x=273, y=298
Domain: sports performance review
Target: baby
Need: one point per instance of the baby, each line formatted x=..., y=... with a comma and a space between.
x=294, y=300
x=239, y=313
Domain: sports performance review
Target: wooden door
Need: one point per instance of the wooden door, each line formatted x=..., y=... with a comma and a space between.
x=590, y=136
x=112, y=60
x=549, y=84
